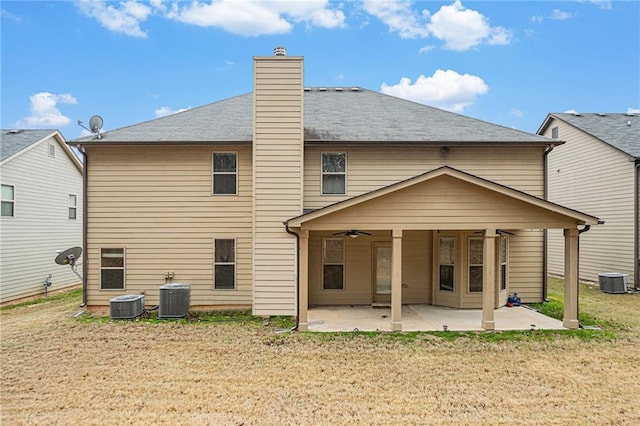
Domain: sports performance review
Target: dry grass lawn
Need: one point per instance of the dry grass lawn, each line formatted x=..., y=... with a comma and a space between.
x=62, y=370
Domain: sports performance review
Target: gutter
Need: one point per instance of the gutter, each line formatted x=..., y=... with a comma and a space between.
x=289, y=231
x=545, y=233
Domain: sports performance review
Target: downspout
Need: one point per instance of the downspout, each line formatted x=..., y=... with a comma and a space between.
x=289, y=231
x=545, y=232
x=85, y=209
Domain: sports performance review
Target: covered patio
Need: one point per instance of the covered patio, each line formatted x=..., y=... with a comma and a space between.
x=425, y=318
x=442, y=202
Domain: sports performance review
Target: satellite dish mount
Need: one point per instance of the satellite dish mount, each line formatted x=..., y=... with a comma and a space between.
x=95, y=125
x=70, y=257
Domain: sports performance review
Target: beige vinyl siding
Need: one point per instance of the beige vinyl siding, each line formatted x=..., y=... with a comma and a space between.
x=370, y=168
x=588, y=175
x=41, y=223
x=278, y=155
x=358, y=288
x=157, y=203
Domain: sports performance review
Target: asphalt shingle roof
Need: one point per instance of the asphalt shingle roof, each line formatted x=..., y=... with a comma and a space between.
x=330, y=115
x=13, y=141
x=619, y=130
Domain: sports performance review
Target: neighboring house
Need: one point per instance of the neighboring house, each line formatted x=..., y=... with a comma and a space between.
x=597, y=170
x=41, y=211
x=291, y=196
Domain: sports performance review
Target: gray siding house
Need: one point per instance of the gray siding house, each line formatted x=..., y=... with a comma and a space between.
x=596, y=170
x=41, y=211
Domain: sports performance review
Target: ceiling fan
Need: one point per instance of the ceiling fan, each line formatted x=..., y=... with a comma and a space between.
x=353, y=233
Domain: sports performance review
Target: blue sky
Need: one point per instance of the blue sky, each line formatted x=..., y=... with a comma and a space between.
x=506, y=62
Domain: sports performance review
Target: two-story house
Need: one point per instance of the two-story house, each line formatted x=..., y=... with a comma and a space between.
x=294, y=196
x=596, y=169
x=41, y=212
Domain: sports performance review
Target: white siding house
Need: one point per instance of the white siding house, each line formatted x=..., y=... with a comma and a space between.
x=596, y=170
x=41, y=211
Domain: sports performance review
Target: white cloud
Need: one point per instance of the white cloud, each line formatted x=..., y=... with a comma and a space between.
x=603, y=4
x=163, y=111
x=560, y=15
x=44, y=111
x=537, y=19
x=8, y=15
x=426, y=49
x=445, y=89
x=516, y=112
x=254, y=17
x=571, y=111
x=463, y=29
x=633, y=110
x=399, y=17
x=125, y=17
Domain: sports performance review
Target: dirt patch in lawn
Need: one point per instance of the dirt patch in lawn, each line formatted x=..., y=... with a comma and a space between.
x=62, y=370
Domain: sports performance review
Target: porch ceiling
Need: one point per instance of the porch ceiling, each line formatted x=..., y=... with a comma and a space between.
x=444, y=198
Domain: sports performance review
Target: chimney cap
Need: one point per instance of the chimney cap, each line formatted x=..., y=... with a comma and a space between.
x=279, y=51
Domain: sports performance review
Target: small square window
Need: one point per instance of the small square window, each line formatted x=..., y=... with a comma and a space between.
x=225, y=173
x=8, y=200
x=334, y=173
x=73, y=206
x=224, y=276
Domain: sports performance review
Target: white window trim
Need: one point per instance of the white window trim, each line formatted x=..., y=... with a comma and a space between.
x=469, y=264
x=322, y=173
x=455, y=243
x=343, y=263
x=12, y=201
x=214, y=173
x=74, y=207
x=124, y=267
x=234, y=263
x=504, y=240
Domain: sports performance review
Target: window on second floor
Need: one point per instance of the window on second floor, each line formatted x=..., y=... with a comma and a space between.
x=225, y=173
x=73, y=206
x=8, y=200
x=554, y=133
x=334, y=173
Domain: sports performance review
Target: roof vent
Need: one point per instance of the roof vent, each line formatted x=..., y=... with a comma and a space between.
x=355, y=89
x=279, y=51
x=338, y=89
x=14, y=131
x=322, y=89
x=602, y=114
x=307, y=89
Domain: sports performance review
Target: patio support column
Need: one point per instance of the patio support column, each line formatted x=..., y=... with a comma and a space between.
x=303, y=290
x=396, y=281
x=488, y=278
x=570, y=319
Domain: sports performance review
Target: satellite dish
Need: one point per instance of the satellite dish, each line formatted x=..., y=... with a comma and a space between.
x=69, y=256
x=95, y=124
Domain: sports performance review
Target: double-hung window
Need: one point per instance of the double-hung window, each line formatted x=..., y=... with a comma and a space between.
x=225, y=173
x=73, y=206
x=334, y=173
x=224, y=265
x=333, y=264
x=446, y=260
x=112, y=268
x=476, y=264
x=8, y=200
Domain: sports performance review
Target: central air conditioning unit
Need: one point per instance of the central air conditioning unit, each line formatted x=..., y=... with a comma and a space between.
x=128, y=306
x=613, y=282
x=175, y=299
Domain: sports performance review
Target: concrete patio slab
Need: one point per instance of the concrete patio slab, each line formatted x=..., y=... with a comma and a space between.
x=425, y=318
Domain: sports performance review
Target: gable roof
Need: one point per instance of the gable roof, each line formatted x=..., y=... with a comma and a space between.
x=621, y=131
x=349, y=115
x=581, y=218
x=16, y=141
